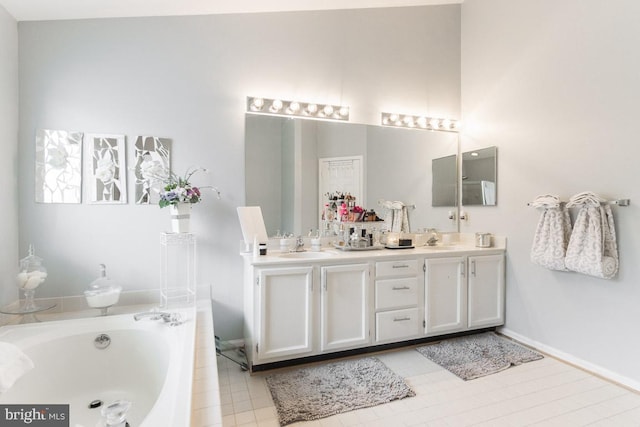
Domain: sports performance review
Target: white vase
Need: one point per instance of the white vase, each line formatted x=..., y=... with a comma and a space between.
x=180, y=217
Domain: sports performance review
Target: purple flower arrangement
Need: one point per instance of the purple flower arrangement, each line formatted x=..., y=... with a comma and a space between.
x=178, y=189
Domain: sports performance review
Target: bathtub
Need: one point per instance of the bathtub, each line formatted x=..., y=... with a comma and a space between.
x=148, y=363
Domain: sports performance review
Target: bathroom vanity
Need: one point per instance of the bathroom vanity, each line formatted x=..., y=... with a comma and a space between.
x=311, y=305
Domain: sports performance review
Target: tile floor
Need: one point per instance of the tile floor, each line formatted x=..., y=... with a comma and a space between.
x=546, y=392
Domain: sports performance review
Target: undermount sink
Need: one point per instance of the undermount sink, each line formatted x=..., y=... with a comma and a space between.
x=439, y=248
x=307, y=255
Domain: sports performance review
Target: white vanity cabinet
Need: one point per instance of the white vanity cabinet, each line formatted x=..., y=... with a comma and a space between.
x=298, y=311
x=284, y=314
x=308, y=306
x=445, y=295
x=397, y=297
x=344, y=306
x=464, y=293
x=486, y=289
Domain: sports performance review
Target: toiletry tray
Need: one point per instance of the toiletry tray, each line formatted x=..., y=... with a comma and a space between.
x=349, y=248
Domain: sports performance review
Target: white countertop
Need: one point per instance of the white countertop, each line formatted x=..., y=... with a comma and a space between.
x=329, y=254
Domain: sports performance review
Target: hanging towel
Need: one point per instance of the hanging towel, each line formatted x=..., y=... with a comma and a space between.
x=389, y=213
x=404, y=223
x=488, y=193
x=396, y=217
x=552, y=233
x=592, y=247
x=13, y=364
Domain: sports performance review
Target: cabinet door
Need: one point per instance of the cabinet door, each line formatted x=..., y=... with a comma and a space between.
x=344, y=306
x=285, y=311
x=445, y=295
x=486, y=291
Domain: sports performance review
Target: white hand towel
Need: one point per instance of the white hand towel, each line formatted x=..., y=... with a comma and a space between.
x=397, y=217
x=552, y=234
x=585, y=198
x=13, y=364
x=546, y=201
x=592, y=248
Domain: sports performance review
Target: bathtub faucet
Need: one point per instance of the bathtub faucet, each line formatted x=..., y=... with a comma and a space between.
x=173, y=319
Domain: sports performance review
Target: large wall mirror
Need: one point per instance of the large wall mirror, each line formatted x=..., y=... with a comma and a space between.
x=479, y=177
x=284, y=160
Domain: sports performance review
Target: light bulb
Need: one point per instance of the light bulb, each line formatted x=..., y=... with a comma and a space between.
x=422, y=122
x=385, y=120
x=344, y=111
x=294, y=107
x=312, y=108
x=446, y=124
x=393, y=117
x=257, y=104
x=434, y=123
x=276, y=105
x=328, y=110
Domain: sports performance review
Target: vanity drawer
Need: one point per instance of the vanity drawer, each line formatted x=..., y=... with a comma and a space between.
x=408, y=267
x=396, y=293
x=397, y=325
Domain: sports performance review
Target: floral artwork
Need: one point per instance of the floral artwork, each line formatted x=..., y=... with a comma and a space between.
x=58, y=166
x=106, y=159
x=152, y=155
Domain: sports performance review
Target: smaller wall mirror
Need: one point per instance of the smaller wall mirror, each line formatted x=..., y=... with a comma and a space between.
x=479, y=177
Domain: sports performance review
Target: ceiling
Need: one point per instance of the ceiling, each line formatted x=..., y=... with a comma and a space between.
x=44, y=10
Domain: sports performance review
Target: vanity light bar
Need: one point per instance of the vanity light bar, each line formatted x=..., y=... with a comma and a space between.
x=309, y=110
x=419, y=122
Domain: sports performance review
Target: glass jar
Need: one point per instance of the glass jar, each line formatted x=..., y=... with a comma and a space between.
x=31, y=275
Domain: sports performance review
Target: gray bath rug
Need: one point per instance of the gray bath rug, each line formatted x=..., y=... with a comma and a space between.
x=478, y=355
x=311, y=393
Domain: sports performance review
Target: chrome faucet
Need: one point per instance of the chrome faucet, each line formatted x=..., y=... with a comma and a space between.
x=299, y=244
x=173, y=319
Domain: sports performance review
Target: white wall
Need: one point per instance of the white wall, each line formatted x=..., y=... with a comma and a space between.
x=9, y=159
x=554, y=84
x=187, y=79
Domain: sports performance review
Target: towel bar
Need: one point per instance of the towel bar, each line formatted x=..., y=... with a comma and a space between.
x=619, y=202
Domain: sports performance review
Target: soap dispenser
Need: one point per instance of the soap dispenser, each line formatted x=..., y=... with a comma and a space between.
x=103, y=292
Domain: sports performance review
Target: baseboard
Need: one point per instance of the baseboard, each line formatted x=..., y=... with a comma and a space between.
x=568, y=358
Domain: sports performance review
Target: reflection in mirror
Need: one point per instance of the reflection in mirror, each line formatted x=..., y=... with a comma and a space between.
x=282, y=169
x=479, y=179
x=445, y=181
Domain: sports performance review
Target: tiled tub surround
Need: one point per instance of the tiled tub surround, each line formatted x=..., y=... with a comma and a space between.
x=197, y=393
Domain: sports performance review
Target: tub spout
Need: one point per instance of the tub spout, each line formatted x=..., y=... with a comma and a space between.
x=172, y=318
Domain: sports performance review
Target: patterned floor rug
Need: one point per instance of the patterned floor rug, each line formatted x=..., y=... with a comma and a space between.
x=311, y=393
x=478, y=355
